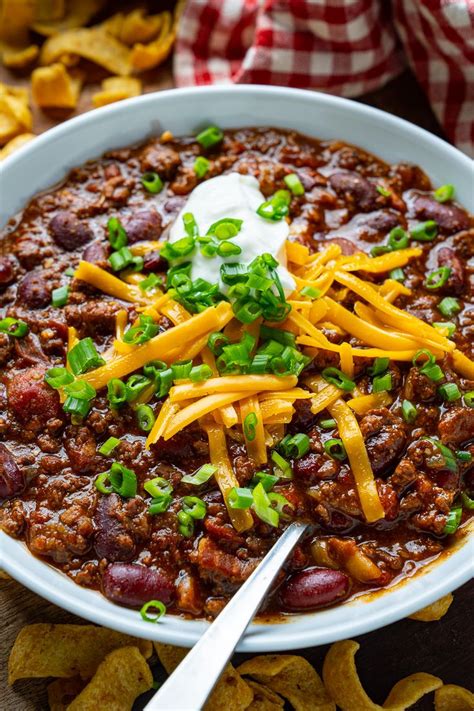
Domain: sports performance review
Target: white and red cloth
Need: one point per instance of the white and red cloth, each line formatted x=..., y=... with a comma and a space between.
x=345, y=47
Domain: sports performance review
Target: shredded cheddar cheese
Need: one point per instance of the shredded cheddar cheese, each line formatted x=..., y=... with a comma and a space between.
x=108, y=283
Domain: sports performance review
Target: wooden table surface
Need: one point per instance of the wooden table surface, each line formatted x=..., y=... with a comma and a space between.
x=443, y=648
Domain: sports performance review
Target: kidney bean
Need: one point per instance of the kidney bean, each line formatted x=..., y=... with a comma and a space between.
x=143, y=225
x=112, y=540
x=7, y=271
x=174, y=204
x=447, y=258
x=133, y=584
x=30, y=397
x=449, y=217
x=313, y=588
x=347, y=247
x=352, y=185
x=69, y=232
x=34, y=291
x=383, y=220
x=95, y=253
x=12, y=480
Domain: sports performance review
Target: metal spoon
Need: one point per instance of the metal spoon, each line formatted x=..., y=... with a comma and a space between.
x=188, y=688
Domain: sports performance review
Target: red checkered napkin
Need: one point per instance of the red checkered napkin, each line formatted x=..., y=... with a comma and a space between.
x=345, y=47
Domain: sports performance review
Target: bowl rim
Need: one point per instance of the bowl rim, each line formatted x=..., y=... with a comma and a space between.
x=430, y=583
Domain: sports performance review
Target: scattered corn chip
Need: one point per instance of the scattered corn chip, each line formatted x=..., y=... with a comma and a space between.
x=118, y=681
x=19, y=57
x=453, y=698
x=231, y=693
x=147, y=56
x=264, y=699
x=434, y=612
x=135, y=26
x=78, y=14
x=65, y=650
x=53, y=87
x=15, y=18
x=15, y=115
x=93, y=44
x=343, y=684
x=116, y=89
x=62, y=691
x=291, y=676
x=15, y=144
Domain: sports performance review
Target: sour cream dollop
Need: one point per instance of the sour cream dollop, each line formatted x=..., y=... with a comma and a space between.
x=236, y=196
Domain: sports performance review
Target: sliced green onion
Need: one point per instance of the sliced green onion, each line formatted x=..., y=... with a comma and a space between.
x=195, y=507
x=409, y=412
x=136, y=384
x=444, y=193
x=76, y=406
x=286, y=338
x=182, y=369
x=185, y=524
x=137, y=335
x=228, y=249
x=382, y=383
x=425, y=231
x=449, y=392
x=446, y=328
x=202, y=475
x=123, y=480
x=70, y=271
x=216, y=342
x=201, y=166
x=328, y=424
x=158, y=606
x=260, y=364
x=423, y=353
x=398, y=275
x=294, y=184
x=279, y=503
x=248, y=312
x=336, y=377
x=277, y=207
x=109, y=445
x=398, y=239
x=335, y=449
x=449, y=306
x=454, y=519
x=211, y=136
x=262, y=506
x=379, y=366
x=272, y=348
x=121, y=259
x=240, y=498
x=160, y=504
x=438, y=278
x=150, y=282
x=467, y=502
x=190, y=224
x=433, y=372
x=145, y=417
x=295, y=446
x=116, y=392
x=282, y=467
x=250, y=424
x=383, y=190
x=58, y=377
x=152, y=182
x=225, y=228
x=233, y=273
x=60, y=296
x=13, y=327
x=100, y=483
x=153, y=368
x=80, y=390
x=463, y=456
x=268, y=481
x=84, y=356
x=379, y=249
x=117, y=235
x=311, y=292
x=177, y=250
x=157, y=487
x=199, y=373
x=164, y=381
x=469, y=398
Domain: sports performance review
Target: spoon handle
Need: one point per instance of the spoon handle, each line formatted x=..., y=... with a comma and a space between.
x=188, y=688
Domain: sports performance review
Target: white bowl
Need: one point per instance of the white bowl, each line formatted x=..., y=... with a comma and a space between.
x=47, y=159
